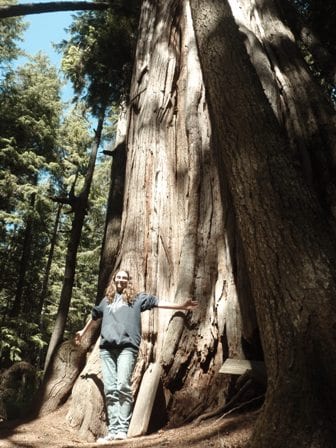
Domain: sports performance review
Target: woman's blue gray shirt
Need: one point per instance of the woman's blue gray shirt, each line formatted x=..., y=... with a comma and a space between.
x=121, y=324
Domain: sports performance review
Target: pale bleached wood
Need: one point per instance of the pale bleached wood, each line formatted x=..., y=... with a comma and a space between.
x=240, y=366
x=145, y=400
x=255, y=369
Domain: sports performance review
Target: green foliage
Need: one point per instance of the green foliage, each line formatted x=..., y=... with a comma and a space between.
x=11, y=31
x=10, y=344
x=75, y=140
x=98, y=57
x=29, y=119
x=43, y=154
x=29, y=150
x=18, y=337
x=75, y=143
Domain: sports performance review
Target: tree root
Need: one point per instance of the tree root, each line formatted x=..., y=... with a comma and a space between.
x=238, y=429
x=241, y=406
x=220, y=409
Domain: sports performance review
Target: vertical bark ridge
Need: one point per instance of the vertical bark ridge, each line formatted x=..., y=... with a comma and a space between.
x=285, y=75
x=205, y=272
x=175, y=223
x=288, y=246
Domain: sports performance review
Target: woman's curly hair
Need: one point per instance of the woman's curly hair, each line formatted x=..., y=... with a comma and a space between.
x=128, y=294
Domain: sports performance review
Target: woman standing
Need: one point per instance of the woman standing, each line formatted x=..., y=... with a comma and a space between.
x=120, y=337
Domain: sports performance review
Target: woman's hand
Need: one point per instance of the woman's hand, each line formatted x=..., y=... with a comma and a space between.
x=79, y=336
x=190, y=304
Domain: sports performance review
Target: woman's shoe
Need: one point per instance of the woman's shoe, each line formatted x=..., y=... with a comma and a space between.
x=120, y=436
x=106, y=439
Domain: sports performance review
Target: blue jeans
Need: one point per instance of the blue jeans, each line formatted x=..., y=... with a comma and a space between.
x=117, y=368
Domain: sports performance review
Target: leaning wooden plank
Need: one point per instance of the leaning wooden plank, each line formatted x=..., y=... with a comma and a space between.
x=145, y=400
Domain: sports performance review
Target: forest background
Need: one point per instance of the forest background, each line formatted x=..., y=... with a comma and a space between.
x=46, y=146
x=53, y=203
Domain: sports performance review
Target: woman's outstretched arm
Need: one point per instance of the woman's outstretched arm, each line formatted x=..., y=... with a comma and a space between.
x=189, y=304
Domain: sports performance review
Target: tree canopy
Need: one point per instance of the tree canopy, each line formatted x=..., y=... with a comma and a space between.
x=97, y=57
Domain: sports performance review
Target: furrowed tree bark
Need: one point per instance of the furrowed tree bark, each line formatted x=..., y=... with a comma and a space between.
x=289, y=246
x=178, y=236
x=68, y=361
x=87, y=410
x=173, y=232
x=114, y=205
x=216, y=207
x=302, y=109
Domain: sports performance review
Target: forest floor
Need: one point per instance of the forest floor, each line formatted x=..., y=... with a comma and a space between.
x=52, y=431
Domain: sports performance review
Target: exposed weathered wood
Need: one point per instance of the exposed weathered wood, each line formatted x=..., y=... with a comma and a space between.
x=68, y=361
x=87, y=412
x=241, y=366
x=145, y=400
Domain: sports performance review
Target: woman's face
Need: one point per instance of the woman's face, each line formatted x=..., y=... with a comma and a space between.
x=121, y=280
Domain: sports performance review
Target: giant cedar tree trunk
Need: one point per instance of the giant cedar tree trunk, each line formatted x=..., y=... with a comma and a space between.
x=178, y=231
x=114, y=204
x=289, y=247
x=175, y=230
x=306, y=116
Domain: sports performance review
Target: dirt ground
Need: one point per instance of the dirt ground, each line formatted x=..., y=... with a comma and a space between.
x=52, y=431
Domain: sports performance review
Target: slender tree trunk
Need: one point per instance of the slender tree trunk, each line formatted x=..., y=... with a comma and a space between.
x=289, y=247
x=79, y=205
x=44, y=290
x=4, y=275
x=114, y=205
x=45, y=282
x=24, y=262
